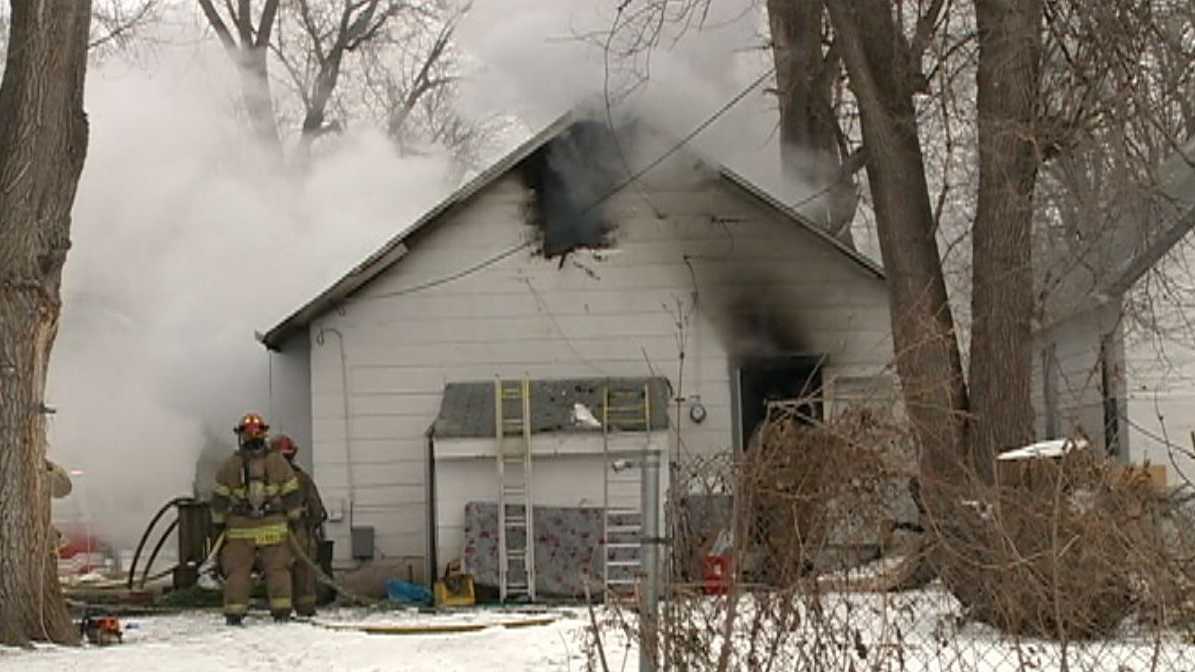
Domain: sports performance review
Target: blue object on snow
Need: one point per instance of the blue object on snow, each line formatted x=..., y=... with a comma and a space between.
x=404, y=592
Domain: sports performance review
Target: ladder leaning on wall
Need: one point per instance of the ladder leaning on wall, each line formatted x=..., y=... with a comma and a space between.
x=516, y=521
x=623, y=410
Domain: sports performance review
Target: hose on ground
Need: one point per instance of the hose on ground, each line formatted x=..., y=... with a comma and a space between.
x=149, y=530
x=324, y=578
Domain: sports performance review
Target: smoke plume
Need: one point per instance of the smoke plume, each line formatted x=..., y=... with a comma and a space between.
x=186, y=241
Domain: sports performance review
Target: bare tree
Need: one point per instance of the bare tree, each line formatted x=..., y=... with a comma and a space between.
x=246, y=40
x=1002, y=303
x=313, y=57
x=402, y=74
x=813, y=146
x=43, y=143
x=410, y=84
x=883, y=65
x=115, y=23
x=390, y=61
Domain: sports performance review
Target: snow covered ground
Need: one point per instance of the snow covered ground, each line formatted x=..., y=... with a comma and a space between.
x=199, y=641
x=911, y=632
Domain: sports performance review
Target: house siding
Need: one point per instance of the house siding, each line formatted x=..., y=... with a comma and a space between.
x=290, y=394
x=1069, y=352
x=607, y=314
x=1161, y=396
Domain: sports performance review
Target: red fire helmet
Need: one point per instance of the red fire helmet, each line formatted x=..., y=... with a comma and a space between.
x=285, y=445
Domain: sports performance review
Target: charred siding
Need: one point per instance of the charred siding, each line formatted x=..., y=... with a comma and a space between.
x=570, y=180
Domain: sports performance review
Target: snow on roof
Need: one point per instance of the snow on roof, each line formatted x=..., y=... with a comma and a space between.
x=467, y=410
x=1044, y=449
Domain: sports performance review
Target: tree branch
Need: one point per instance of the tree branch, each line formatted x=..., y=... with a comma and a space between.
x=926, y=24
x=117, y=25
x=317, y=42
x=269, y=15
x=218, y=25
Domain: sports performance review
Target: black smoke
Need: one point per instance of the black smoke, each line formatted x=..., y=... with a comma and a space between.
x=755, y=315
x=571, y=179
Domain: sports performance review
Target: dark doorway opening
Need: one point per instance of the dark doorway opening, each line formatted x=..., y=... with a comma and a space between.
x=764, y=381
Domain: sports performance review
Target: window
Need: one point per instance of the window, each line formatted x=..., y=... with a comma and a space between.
x=875, y=392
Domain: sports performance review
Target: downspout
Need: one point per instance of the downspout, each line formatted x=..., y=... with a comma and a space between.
x=270, y=383
x=344, y=395
x=433, y=559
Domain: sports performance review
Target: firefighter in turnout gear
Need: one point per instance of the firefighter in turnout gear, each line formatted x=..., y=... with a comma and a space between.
x=255, y=502
x=308, y=533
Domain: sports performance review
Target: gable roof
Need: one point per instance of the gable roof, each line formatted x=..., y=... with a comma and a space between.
x=1106, y=268
x=395, y=249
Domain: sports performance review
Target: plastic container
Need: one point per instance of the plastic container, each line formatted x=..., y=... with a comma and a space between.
x=717, y=574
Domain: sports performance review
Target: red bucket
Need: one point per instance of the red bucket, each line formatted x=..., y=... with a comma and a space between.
x=718, y=572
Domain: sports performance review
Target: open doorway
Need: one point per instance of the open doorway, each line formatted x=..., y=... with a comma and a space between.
x=762, y=381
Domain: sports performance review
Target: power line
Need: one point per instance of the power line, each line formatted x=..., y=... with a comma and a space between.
x=686, y=139
x=454, y=276
x=630, y=179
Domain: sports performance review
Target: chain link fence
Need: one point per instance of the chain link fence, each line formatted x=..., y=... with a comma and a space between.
x=815, y=549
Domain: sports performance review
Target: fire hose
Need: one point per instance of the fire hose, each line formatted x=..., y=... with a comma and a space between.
x=145, y=537
x=324, y=578
x=309, y=563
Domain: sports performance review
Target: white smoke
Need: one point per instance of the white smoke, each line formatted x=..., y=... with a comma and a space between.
x=549, y=61
x=185, y=241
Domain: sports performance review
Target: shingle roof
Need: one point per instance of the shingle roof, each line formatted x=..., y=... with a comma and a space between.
x=467, y=409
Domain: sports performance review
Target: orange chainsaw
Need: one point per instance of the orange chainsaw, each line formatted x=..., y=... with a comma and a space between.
x=102, y=630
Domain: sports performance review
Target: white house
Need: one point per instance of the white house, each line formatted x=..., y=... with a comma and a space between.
x=1090, y=373
x=552, y=267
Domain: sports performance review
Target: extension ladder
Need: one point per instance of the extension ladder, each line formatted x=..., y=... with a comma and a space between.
x=623, y=410
x=516, y=522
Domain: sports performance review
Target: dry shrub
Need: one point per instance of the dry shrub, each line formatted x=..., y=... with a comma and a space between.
x=1064, y=549
x=822, y=494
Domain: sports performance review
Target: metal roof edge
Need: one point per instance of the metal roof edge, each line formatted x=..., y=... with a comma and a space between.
x=753, y=190
x=394, y=249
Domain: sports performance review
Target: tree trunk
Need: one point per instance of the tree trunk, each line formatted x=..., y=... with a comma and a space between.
x=317, y=107
x=1010, y=46
x=258, y=98
x=810, y=152
x=248, y=51
x=927, y=352
x=43, y=142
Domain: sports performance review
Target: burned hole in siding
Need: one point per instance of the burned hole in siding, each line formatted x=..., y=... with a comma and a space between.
x=570, y=180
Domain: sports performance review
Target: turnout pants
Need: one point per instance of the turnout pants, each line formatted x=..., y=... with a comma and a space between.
x=236, y=557
x=302, y=576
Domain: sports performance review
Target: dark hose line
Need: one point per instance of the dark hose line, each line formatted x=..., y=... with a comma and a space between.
x=149, y=530
x=154, y=556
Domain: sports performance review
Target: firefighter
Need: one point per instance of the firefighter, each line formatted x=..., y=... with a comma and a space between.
x=308, y=533
x=255, y=502
x=60, y=487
